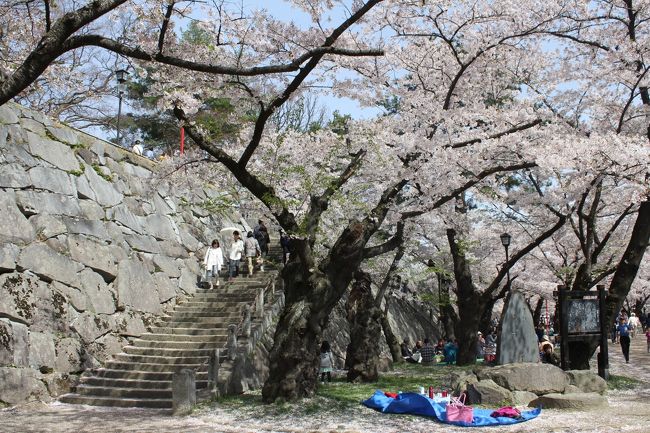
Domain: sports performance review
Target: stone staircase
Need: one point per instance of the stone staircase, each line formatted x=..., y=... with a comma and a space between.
x=141, y=376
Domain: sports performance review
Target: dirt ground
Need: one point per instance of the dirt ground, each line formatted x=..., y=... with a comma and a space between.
x=628, y=412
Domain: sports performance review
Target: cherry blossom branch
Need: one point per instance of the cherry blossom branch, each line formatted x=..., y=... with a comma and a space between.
x=165, y=26
x=394, y=242
x=319, y=204
x=518, y=128
x=521, y=253
x=266, y=194
x=299, y=78
x=48, y=48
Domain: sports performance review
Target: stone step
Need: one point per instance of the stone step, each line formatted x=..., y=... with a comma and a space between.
x=108, y=373
x=204, y=323
x=170, y=330
x=199, y=313
x=192, y=345
x=154, y=359
x=153, y=367
x=110, y=391
x=195, y=338
x=207, y=322
x=212, y=305
x=206, y=310
x=134, y=383
x=117, y=402
x=166, y=351
x=233, y=301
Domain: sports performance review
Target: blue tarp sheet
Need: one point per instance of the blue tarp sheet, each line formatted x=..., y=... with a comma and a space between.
x=417, y=404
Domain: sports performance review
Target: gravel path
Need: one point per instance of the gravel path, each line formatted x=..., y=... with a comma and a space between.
x=628, y=412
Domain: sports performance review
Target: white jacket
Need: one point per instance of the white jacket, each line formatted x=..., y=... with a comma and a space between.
x=213, y=257
x=236, y=250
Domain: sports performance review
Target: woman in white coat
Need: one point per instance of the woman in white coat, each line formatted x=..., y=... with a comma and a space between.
x=213, y=262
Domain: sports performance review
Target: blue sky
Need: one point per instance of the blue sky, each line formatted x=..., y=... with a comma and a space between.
x=284, y=11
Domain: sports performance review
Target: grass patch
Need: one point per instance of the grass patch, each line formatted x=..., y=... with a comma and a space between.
x=622, y=383
x=343, y=396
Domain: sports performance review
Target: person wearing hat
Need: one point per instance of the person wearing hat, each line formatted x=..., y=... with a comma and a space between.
x=480, y=346
x=138, y=149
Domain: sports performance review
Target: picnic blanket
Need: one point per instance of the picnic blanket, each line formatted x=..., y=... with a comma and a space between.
x=417, y=404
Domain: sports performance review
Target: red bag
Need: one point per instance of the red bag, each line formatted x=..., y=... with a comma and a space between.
x=457, y=411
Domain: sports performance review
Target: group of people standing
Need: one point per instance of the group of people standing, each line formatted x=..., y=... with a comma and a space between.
x=255, y=247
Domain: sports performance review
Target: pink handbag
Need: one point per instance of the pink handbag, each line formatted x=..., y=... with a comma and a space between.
x=457, y=411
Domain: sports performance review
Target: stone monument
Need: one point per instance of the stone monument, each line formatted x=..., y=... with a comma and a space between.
x=517, y=341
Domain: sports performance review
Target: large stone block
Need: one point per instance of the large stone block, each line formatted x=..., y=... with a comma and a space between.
x=91, y=326
x=53, y=180
x=95, y=255
x=35, y=202
x=64, y=134
x=101, y=296
x=47, y=226
x=129, y=324
x=135, y=287
x=143, y=243
x=517, y=338
x=488, y=392
x=18, y=385
x=7, y=115
x=121, y=214
x=171, y=267
x=587, y=381
x=49, y=265
x=104, y=191
x=42, y=352
x=14, y=343
x=8, y=256
x=173, y=249
x=577, y=401
x=17, y=297
x=57, y=154
x=14, y=176
x=82, y=226
x=160, y=227
x=91, y=210
x=75, y=296
x=106, y=346
x=534, y=377
x=165, y=286
x=69, y=356
x=14, y=227
x=163, y=206
x=188, y=281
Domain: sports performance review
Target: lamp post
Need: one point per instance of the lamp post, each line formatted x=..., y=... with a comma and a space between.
x=505, y=241
x=120, y=74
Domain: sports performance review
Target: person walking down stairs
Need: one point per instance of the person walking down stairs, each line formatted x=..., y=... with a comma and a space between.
x=213, y=262
x=236, y=250
x=252, y=250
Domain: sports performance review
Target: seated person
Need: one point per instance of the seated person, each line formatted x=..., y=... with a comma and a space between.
x=404, y=348
x=450, y=352
x=428, y=352
x=549, y=356
x=440, y=346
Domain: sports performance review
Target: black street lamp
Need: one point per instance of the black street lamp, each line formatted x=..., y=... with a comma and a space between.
x=505, y=241
x=120, y=74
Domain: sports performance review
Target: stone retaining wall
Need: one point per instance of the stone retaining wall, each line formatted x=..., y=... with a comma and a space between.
x=90, y=252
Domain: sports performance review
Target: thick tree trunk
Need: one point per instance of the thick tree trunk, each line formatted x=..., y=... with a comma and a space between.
x=485, y=323
x=580, y=353
x=391, y=338
x=448, y=316
x=470, y=304
x=537, y=312
x=310, y=296
x=364, y=317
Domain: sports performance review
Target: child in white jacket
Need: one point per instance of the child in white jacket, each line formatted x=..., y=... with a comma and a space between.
x=213, y=262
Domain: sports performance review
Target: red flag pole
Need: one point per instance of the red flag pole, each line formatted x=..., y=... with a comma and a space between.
x=182, y=140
